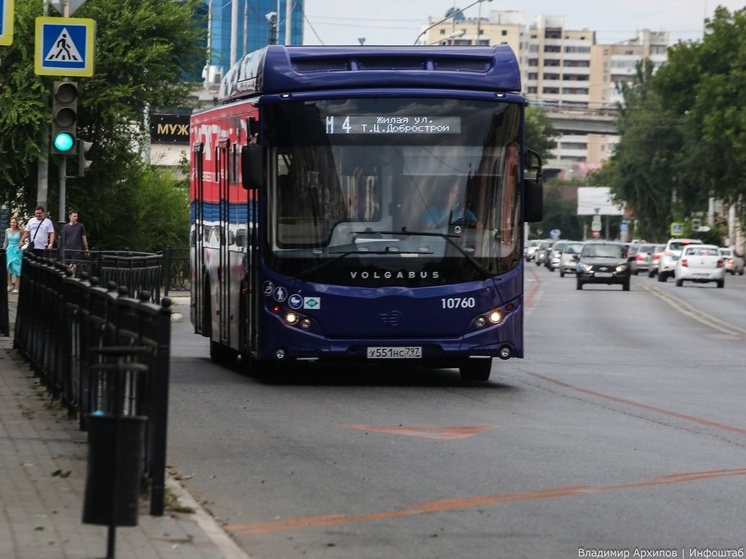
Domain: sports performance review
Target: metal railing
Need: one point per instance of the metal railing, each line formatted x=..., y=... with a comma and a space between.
x=77, y=335
x=154, y=272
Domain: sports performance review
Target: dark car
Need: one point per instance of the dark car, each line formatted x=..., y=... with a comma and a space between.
x=603, y=262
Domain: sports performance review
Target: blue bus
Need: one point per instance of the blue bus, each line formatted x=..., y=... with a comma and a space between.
x=363, y=204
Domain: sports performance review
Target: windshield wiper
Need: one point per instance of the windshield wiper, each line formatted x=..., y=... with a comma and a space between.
x=405, y=232
x=448, y=238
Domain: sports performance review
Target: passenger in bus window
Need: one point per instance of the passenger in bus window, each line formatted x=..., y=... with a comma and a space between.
x=448, y=208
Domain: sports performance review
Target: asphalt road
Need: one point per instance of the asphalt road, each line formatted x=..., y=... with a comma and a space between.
x=624, y=428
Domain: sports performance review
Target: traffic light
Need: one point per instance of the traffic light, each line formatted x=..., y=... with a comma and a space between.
x=64, y=118
x=83, y=151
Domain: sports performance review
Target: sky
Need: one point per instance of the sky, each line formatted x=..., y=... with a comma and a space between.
x=391, y=22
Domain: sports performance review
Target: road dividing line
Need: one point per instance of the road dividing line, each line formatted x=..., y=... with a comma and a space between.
x=301, y=523
x=443, y=433
x=641, y=406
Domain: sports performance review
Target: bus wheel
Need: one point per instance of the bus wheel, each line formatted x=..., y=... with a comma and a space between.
x=222, y=355
x=476, y=369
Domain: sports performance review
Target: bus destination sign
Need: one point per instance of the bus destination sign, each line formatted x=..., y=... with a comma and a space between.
x=338, y=124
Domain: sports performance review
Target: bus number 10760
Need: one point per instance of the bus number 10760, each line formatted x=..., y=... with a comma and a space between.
x=458, y=302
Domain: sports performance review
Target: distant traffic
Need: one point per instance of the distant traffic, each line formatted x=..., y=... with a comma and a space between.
x=613, y=262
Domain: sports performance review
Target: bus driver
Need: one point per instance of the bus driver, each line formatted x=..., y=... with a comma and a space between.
x=449, y=209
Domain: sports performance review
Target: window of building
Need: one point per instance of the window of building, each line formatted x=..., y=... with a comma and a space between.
x=575, y=91
x=575, y=77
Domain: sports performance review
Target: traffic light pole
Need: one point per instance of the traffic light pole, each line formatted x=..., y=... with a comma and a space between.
x=61, y=212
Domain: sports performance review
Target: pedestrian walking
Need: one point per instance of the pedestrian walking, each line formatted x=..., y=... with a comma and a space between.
x=41, y=230
x=13, y=254
x=75, y=241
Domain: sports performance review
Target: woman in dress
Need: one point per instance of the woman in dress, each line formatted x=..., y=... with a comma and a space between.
x=13, y=254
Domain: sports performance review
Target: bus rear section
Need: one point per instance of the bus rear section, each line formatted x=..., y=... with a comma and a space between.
x=381, y=225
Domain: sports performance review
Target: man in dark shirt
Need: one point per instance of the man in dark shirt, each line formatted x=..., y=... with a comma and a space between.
x=75, y=239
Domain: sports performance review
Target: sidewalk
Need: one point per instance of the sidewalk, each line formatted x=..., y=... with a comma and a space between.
x=43, y=461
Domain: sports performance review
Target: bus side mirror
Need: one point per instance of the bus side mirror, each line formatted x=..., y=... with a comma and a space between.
x=252, y=166
x=533, y=190
x=534, y=199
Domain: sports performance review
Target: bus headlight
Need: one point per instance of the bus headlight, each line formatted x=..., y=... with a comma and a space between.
x=305, y=323
x=495, y=317
x=291, y=318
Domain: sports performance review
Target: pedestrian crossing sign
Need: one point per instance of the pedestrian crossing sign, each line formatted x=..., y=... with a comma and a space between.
x=64, y=46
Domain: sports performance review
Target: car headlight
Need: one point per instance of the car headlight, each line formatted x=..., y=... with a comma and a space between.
x=621, y=267
x=586, y=267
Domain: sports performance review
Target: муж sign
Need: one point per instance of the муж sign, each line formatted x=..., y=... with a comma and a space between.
x=169, y=128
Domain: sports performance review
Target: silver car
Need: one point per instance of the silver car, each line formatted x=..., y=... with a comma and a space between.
x=655, y=258
x=569, y=259
x=733, y=262
x=642, y=258
x=554, y=255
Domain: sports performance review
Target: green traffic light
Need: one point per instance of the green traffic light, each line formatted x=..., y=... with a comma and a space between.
x=63, y=142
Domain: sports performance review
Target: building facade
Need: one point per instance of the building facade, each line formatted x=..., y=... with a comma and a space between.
x=238, y=27
x=565, y=71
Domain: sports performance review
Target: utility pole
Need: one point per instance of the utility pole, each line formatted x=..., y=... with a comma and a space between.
x=234, y=32
x=42, y=166
x=288, y=22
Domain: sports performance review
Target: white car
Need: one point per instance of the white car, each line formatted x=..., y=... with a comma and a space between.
x=700, y=263
x=669, y=256
x=531, y=249
x=733, y=262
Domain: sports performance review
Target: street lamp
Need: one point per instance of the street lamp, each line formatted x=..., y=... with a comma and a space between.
x=449, y=16
x=272, y=19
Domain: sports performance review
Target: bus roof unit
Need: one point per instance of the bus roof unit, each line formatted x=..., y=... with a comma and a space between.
x=278, y=69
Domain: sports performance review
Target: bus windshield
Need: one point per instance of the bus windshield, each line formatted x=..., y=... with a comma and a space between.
x=393, y=191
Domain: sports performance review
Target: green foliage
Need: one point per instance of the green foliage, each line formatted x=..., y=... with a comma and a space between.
x=644, y=172
x=559, y=213
x=152, y=212
x=143, y=51
x=23, y=110
x=683, y=131
x=539, y=132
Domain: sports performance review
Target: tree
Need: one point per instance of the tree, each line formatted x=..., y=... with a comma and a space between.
x=559, y=213
x=144, y=51
x=705, y=84
x=644, y=170
x=540, y=133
